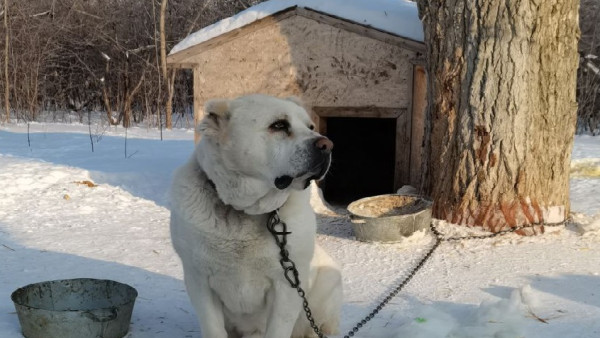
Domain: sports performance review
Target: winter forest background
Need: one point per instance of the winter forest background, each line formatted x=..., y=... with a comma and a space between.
x=62, y=56
x=77, y=56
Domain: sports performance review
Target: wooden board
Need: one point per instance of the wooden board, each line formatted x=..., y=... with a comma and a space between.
x=419, y=104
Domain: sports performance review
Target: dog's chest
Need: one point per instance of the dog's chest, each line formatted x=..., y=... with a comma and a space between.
x=243, y=268
x=243, y=243
x=242, y=290
x=235, y=251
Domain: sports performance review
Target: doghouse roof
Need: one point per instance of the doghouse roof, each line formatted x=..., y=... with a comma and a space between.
x=396, y=17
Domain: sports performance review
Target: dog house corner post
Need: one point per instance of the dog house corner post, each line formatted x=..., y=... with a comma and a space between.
x=403, y=148
x=419, y=103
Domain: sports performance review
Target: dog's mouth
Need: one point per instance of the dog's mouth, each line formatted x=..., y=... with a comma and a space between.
x=316, y=172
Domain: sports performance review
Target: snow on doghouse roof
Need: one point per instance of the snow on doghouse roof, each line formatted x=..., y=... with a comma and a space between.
x=398, y=17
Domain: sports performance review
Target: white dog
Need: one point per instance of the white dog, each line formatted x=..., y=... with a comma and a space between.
x=257, y=154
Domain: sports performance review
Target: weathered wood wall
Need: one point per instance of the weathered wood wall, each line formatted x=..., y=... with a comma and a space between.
x=322, y=64
x=335, y=67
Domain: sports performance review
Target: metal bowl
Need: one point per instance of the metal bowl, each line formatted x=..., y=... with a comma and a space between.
x=75, y=308
x=389, y=218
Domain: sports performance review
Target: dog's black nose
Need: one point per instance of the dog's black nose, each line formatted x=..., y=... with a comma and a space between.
x=324, y=144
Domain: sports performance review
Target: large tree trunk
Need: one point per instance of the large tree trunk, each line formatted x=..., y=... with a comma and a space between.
x=501, y=109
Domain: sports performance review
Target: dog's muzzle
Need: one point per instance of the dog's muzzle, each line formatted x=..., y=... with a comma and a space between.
x=319, y=158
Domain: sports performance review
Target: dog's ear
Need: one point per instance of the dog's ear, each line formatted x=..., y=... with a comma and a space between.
x=296, y=100
x=216, y=114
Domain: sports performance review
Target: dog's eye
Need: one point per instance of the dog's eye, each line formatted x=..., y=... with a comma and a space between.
x=280, y=125
x=311, y=127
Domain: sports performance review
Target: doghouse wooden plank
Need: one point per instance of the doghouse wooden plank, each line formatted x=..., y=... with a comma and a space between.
x=419, y=104
x=403, y=146
x=371, y=112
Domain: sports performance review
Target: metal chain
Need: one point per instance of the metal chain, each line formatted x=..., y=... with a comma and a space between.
x=394, y=292
x=288, y=265
x=495, y=234
x=439, y=238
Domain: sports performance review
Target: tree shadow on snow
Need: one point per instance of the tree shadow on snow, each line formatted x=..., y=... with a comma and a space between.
x=145, y=172
x=162, y=308
x=504, y=316
x=577, y=288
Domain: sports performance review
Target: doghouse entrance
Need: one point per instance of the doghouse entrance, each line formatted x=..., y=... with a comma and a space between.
x=363, y=158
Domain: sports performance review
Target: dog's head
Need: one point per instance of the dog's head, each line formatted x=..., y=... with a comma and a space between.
x=264, y=143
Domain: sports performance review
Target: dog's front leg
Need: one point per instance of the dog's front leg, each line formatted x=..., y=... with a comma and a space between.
x=284, y=311
x=208, y=309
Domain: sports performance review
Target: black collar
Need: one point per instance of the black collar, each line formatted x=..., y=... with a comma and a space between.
x=214, y=187
x=211, y=183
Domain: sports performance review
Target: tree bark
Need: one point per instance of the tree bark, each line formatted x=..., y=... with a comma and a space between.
x=170, y=81
x=163, y=57
x=128, y=100
x=6, y=53
x=105, y=94
x=501, y=109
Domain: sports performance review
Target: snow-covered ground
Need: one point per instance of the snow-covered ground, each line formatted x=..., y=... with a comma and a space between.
x=53, y=228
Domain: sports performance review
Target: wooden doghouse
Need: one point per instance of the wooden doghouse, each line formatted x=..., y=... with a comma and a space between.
x=365, y=88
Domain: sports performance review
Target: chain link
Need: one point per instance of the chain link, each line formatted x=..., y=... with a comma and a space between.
x=288, y=265
x=398, y=288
